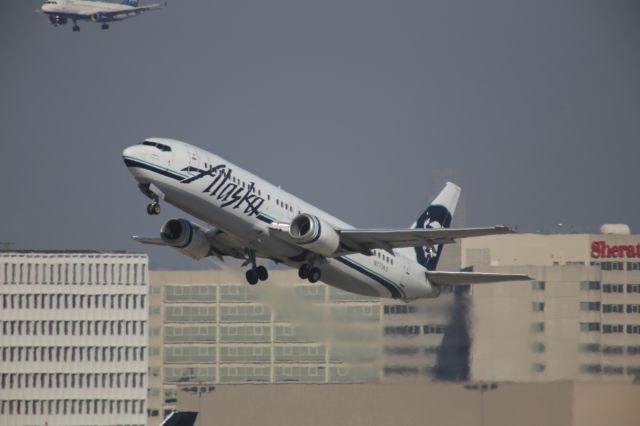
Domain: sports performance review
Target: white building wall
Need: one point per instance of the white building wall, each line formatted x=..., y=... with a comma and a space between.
x=73, y=338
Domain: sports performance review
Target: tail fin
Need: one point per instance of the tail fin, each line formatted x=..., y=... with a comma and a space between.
x=133, y=3
x=438, y=215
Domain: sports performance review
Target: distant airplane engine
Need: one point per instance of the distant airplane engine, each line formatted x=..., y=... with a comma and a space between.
x=98, y=17
x=57, y=20
x=186, y=237
x=314, y=234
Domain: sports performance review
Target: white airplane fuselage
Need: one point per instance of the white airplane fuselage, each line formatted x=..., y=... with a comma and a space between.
x=243, y=206
x=59, y=11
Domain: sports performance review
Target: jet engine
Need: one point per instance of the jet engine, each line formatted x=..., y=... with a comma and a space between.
x=314, y=234
x=186, y=237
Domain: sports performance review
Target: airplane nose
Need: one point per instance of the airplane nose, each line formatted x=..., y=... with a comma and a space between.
x=131, y=154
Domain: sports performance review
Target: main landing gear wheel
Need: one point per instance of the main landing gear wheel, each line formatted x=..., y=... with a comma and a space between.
x=262, y=273
x=153, y=209
x=303, y=272
x=252, y=276
x=314, y=275
x=308, y=272
x=256, y=273
x=105, y=26
x=75, y=28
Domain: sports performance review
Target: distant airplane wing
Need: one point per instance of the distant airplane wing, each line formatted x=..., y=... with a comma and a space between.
x=461, y=278
x=362, y=240
x=128, y=11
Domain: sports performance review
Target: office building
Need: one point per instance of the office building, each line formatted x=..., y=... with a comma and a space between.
x=73, y=338
x=578, y=320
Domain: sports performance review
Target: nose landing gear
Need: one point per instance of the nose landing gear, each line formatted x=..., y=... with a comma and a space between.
x=153, y=208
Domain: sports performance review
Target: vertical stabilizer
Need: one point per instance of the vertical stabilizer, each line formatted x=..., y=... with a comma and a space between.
x=437, y=215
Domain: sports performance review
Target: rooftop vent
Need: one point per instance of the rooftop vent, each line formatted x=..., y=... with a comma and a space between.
x=615, y=228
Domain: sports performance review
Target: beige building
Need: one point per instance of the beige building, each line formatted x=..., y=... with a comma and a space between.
x=579, y=319
x=210, y=327
x=433, y=404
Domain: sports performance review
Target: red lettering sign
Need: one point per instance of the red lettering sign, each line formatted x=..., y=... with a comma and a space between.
x=600, y=249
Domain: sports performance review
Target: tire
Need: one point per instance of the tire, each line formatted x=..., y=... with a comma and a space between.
x=149, y=210
x=155, y=208
x=262, y=273
x=314, y=275
x=252, y=277
x=303, y=272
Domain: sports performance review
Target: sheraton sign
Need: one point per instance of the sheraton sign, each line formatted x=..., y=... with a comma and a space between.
x=602, y=250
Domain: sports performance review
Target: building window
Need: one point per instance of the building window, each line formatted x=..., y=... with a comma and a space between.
x=538, y=347
x=537, y=285
x=589, y=306
x=590, y=347
x=633, y=329
x=538, y=367
x=611, y=308
x=633, y=309
x=537, y=306
x=613, y=288
x=589, y=326
x=633, y=288
x=612, y=328
x=612, y=350
x=589, y=285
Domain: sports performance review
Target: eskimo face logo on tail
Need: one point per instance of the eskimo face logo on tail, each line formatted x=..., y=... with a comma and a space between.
x=229, y=193
x=434, y=217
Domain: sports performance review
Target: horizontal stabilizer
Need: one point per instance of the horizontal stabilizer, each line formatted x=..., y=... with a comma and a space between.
x=148, y=240
x=461, y=278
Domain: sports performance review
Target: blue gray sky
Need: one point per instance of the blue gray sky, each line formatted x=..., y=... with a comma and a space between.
x=361, y=107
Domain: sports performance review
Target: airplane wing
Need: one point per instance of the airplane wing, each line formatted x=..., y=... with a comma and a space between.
x=365, y=240
x=362, y=240
x=128, y=11
x=150, y=241
x=461, y=278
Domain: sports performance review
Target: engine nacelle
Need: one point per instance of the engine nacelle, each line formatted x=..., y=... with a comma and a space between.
x=314, y=234
x=186, y=237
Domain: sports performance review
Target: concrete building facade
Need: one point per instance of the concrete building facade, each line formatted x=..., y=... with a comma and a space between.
x=579, y=320
x=210, y=327
x=408, y=404
x=73, y=338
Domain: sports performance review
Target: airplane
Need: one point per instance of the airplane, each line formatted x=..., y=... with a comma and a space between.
x=248, y=218
x=60, y=11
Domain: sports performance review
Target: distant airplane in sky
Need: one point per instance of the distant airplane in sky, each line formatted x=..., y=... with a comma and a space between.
x=251, y=218
x=60, y=11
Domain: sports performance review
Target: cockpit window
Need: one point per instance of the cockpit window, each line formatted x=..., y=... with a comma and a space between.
x=160, y=146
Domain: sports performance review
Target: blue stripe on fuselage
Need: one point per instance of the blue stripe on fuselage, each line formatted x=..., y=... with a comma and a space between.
x=132, y=162
x=391, y=287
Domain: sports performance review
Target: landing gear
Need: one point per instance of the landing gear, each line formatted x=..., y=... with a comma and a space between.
x=256, y=273
x=262, y=272
x=252, y=277
x=75, y=28
x=153, y=208
x=309, y=272
x=105, y=26
x=303, y=272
